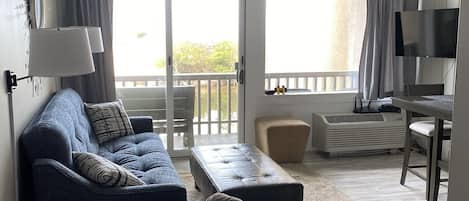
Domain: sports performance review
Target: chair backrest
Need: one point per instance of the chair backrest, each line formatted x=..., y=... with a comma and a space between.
x=424, y=89
x=151, y=101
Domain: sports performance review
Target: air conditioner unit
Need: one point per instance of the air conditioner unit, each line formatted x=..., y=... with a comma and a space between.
x=333, y=133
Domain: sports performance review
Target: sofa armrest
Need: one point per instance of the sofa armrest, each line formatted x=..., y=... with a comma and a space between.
x=54, y=181
x=142, y=124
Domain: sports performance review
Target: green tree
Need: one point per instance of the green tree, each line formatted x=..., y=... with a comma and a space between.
x=160, y=63
x=141, y=35
x=223, y=56
x=192, y=57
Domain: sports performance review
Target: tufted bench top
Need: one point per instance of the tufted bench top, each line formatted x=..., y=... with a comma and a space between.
x=241, y=170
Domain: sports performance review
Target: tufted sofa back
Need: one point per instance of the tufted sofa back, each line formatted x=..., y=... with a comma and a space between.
x=60, y=128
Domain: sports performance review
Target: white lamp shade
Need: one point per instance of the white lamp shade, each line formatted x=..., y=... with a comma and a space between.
x=96, y=39
x=60, y=52
x=95, y=36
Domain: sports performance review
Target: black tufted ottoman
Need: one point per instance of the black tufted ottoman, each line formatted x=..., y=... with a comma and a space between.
x=242, y=171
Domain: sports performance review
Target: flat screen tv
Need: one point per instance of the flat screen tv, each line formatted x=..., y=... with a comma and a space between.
x=427, y=33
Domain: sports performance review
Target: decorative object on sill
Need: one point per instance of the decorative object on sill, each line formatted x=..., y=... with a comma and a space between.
x=269, y=92
x=280, y=90
x=295, y=91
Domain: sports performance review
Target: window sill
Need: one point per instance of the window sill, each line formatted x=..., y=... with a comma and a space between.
x=314, y=93
x=346, y=97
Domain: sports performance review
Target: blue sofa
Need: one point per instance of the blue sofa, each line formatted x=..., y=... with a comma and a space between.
x=62, y=127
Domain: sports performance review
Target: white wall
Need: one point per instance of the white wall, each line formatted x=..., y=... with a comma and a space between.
x=257, y=104
x=14, y=41
x=433, y=70
x=459, y=162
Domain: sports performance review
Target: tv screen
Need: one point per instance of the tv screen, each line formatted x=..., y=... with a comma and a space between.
x=427, y=33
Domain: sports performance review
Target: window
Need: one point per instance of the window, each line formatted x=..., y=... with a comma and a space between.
x=314, y=44
x=139, y=38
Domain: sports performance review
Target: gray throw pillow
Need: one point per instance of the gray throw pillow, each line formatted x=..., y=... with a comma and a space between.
x=103, y=171
x=222, y=197
x=109, y=120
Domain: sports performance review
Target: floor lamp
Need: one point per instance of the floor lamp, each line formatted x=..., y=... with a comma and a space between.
x=58, y=52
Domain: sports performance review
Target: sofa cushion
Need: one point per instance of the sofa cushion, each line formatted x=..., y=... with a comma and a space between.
x=109, y=120
x=103, y=171
x=60, y=128
x=143, y=155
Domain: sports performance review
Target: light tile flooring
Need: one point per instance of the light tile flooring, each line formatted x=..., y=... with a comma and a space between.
x=364, y=178
x=202, y=140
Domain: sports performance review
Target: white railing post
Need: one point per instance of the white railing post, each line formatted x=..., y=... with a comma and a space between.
x=209, y=106
x=199, y=110
x=219, y=105
x=229, y=105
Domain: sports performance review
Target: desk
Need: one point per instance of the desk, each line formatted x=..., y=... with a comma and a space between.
x=440, y=107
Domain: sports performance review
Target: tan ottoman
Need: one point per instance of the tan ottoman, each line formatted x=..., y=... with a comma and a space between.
x=282, y=138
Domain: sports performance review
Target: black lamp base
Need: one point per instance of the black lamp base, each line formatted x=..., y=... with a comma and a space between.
x=12, y=80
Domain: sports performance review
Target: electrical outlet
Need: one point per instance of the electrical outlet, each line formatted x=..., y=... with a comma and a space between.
x=37, y=86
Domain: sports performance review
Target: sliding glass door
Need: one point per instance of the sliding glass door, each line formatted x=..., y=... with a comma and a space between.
x=205, y=49
x=140, y=42
x=175, y=61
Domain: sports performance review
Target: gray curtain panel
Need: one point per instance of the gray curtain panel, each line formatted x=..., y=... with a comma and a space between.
x=100, y=85
x=381, y=73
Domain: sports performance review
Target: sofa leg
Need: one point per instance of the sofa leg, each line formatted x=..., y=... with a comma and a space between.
x=196, y=187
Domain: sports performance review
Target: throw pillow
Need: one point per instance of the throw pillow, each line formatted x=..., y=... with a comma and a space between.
x=222, y=197
x=109, y=120
x=103, y=171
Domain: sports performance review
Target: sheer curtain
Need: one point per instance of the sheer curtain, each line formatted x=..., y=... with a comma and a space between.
x=381, y=73
x=100, y=85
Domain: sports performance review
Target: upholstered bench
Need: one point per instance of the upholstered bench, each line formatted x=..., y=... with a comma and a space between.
x=282, y=138
x=242, y=171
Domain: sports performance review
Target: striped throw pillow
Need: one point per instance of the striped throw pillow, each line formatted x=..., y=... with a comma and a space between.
x=109, y=120
x=103, y=171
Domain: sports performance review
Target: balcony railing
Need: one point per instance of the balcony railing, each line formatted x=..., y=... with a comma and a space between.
x=314, y=81
x=216, y=103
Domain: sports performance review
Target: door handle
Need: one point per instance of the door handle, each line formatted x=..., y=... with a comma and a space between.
x=241, y=77
x=239, y=74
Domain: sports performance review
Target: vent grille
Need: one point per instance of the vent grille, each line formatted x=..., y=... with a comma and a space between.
x=357, y=132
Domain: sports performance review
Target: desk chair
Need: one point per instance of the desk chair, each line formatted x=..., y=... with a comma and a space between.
x=423, y=129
